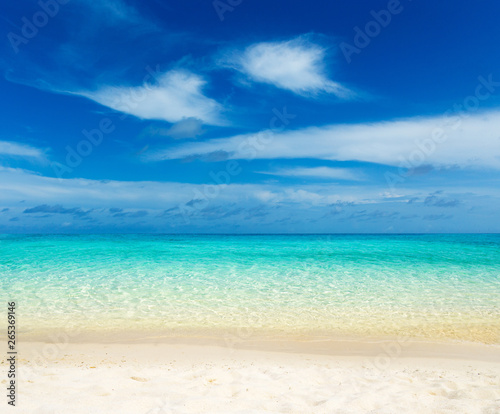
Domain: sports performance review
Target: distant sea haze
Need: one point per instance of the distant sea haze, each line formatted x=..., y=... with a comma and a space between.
x=441, y=287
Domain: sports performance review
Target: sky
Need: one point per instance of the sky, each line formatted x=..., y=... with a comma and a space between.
x=239, y=116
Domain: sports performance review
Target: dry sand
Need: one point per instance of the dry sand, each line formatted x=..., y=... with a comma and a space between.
x=382, y=377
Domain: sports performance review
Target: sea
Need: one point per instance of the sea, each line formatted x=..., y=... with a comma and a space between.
x=441, y=287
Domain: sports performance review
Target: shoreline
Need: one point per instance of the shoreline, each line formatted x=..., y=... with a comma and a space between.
x=402, y=347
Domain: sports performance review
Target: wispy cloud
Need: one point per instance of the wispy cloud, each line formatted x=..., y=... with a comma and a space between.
x=15, y=149
x=434, y=217
x=406, y=143
x=131, y=214
x=297, y=65
x=114, y=11
x=57, y=209
x=437, y=200
x=50, y=194
x=94, y=204
x=187, y=128
x=318, y=172
x=176, y=96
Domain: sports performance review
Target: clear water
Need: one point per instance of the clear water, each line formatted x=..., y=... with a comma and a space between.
x=429, y=286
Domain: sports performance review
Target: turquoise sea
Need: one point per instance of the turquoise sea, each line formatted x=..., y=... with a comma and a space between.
x=298, y=286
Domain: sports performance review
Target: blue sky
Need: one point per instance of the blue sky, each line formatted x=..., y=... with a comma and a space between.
x=239, y=116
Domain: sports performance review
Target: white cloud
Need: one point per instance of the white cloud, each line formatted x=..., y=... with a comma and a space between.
x=18, y=184
x=296, y=65
x=467, y=141
x=318, y=172
x=15, y=149
x=175, y=96
x=171, y=205
x=187, y=128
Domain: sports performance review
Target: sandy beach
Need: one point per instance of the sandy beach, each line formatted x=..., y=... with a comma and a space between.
x=153, y=378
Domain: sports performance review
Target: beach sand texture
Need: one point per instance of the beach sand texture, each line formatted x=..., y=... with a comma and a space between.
x=179, y=378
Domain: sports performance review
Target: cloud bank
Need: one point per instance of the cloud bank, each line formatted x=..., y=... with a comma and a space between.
x=463, y=141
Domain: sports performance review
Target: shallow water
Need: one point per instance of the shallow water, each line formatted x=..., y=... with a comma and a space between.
x=429, y=286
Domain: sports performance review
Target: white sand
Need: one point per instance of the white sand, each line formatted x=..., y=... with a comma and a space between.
x=174, y=378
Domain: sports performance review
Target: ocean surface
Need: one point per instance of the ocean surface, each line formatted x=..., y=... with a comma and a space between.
x=440, y=287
